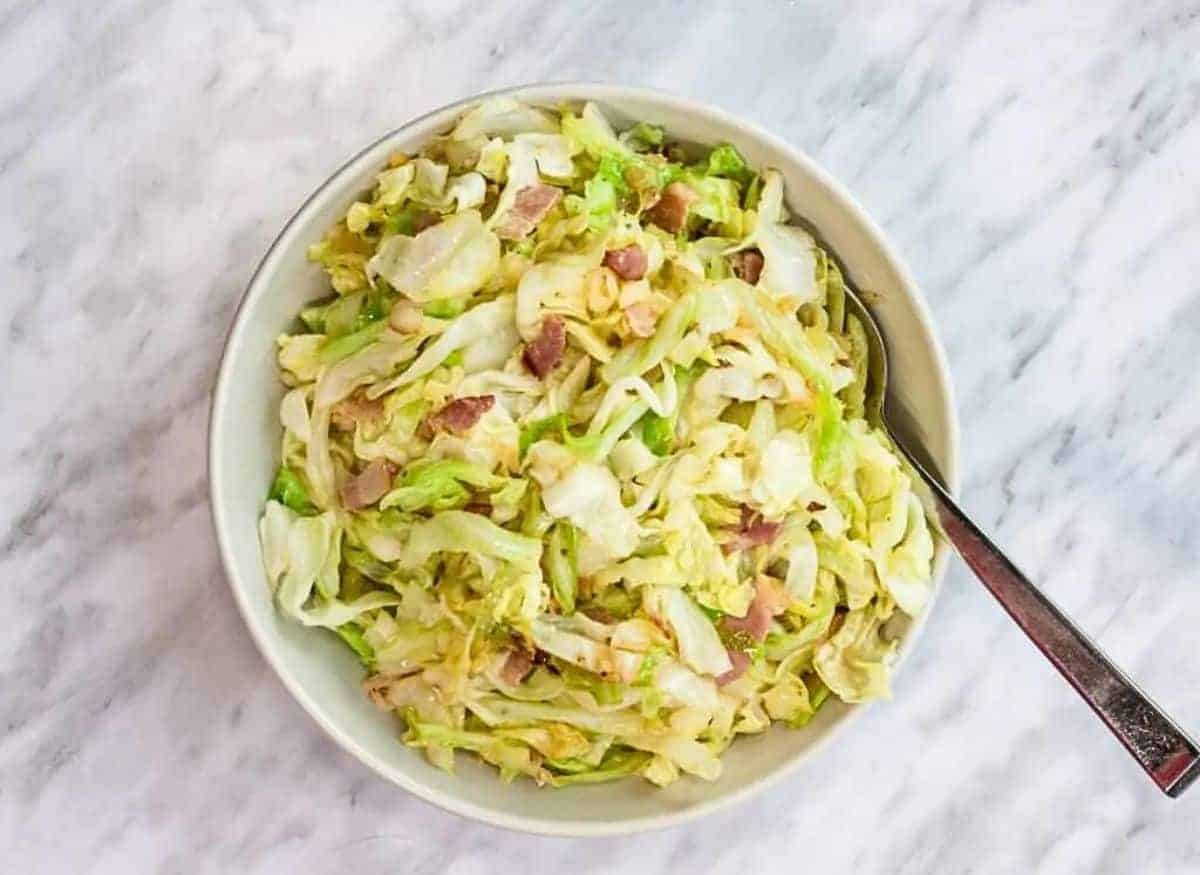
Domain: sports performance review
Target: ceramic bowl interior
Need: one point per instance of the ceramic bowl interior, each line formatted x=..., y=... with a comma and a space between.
x=322, y=674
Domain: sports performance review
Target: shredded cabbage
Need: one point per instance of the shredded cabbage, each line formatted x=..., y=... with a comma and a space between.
x=585, y=505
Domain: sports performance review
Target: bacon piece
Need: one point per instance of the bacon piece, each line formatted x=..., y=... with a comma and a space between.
x=366, y=488
x=641, y=319
x=545, y=351
x=768, y=602
x=752, y=531
x=530, y=206
x=425, y=219
x=670, y=213
x=740, y=661
x=356, y=410
x=459, y=415
x=628, y=262
x=515, y=668
x=747, y=265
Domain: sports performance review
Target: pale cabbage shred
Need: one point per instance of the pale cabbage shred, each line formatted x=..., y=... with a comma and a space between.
x=561, y=524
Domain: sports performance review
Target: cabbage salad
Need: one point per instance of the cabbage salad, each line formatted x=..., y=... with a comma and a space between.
x=574, y=455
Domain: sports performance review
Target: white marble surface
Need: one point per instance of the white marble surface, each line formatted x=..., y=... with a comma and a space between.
x=1036, y=162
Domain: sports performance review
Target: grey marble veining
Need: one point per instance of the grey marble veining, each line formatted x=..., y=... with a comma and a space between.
x=1036, y=163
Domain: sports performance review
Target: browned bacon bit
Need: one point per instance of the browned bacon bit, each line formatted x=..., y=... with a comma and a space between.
x=356, y=410
x=425, y=219
x=366, y=488
x=752, y=531
x=516, y=666
x=459, y=415
x=740, y=662
x=628, y=262
x=545, y=351
x=747, y=265
x=481, y=507
x=530, y=206
x=768, y=602
x=814, y=506
x=670, y=213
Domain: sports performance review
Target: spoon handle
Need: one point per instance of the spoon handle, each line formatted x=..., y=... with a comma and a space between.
x=1167, y=754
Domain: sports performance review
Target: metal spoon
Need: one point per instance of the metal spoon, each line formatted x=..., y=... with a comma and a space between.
x=1168, y=755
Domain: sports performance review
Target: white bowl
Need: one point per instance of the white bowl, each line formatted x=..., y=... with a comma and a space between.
x=322, y=674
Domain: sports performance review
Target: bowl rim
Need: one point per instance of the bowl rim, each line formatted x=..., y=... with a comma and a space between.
x=571, y=90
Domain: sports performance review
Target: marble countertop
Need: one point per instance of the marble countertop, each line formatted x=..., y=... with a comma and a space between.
x=1035, y=162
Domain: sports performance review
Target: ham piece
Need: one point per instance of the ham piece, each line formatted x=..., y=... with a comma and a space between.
x=516, y=666
x=366, y=488
x=530, y=206
x=768, y=602
x=747, y=265
x=545, y=351
x=752, y=531
x=459, y=415
x=740, y=662
x=628, y=262
x=670, y=213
